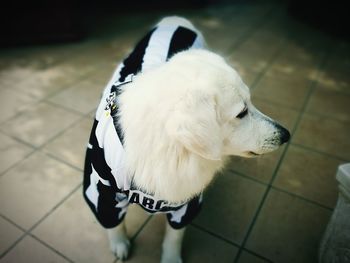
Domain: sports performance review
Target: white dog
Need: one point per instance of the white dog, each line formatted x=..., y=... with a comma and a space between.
x=169, y=117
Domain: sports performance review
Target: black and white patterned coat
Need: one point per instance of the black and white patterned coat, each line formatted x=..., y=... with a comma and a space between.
x=107, y=188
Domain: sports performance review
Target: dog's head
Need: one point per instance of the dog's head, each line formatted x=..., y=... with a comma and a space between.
x=215, y=117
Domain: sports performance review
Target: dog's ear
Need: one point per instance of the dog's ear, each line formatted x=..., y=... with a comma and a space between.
x=194, y=124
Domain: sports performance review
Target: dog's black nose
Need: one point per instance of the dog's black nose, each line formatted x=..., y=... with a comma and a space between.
x=285, y=135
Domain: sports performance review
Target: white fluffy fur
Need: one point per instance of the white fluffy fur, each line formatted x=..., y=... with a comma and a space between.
x=179, y=123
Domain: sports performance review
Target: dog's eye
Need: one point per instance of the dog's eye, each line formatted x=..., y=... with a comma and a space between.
x=242, y=114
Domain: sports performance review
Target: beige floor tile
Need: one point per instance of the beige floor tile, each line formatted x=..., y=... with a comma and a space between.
x=32, y=188
x=309, y=174
x=295, y=54
x=146, y=248
x=324, y=134
x=330, y=103
x=289, y=93
x=257, y=51
x=82, y=66
x=10, y=75
x=261, y=168
x=229, y=206
x=11, y=152
x=135, y=218
x=223, y=29
x=247, y=75
x=30, y=250
x=83, y=96
x=334, y=80
x=39, y=123
x=92, y=114
x=8, y=234
x=226, y=41
x=335, y=75
x=247, y=257
x=104, y=73
x=20, y=64
x=73, y=223
x=38, y=57
x=198, y=246
x=268, y=38
x=297, y=72
x=303, y=38
x=12, y=103
x=70, y=146
x=288, y=229
x=51, y=77
x=45, y=82
x=260, y=48
x=248, y=61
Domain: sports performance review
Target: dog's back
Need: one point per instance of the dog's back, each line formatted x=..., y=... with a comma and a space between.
x=176, y=21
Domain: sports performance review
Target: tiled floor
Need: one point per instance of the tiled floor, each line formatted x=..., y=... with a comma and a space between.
x=271, y=209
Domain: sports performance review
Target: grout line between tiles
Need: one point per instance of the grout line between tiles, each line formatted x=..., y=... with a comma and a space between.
x=304, y=147
x=62, y=161
x=132, y=239
x=63, y=107
x=280, y=189
x=11, y=222
x=141, y=228
x=302, y=198
x=296, y=109
x=18, y=162
x=36, y=149
x=79, y=118
x=247, y=177
x=257, y=255
x=340, y=92
x=39, y=240
x=19, y=140
x=313, y=84
x=14, y=244
x=50, y=247
x=255, y=26
x=80, y=78
x=54, y=93
x=333, y=118
x=215, y=235
x=28, y=232
x=272, y=59
x=76, y=122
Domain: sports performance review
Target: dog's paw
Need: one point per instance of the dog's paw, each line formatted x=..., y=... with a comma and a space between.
x=170, y=258
x=120, y=248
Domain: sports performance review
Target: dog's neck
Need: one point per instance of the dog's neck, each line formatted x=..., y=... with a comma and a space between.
x=181, y=175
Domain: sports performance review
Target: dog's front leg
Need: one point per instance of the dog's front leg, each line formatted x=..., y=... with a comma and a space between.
x=118, y=241
x=172, y=245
